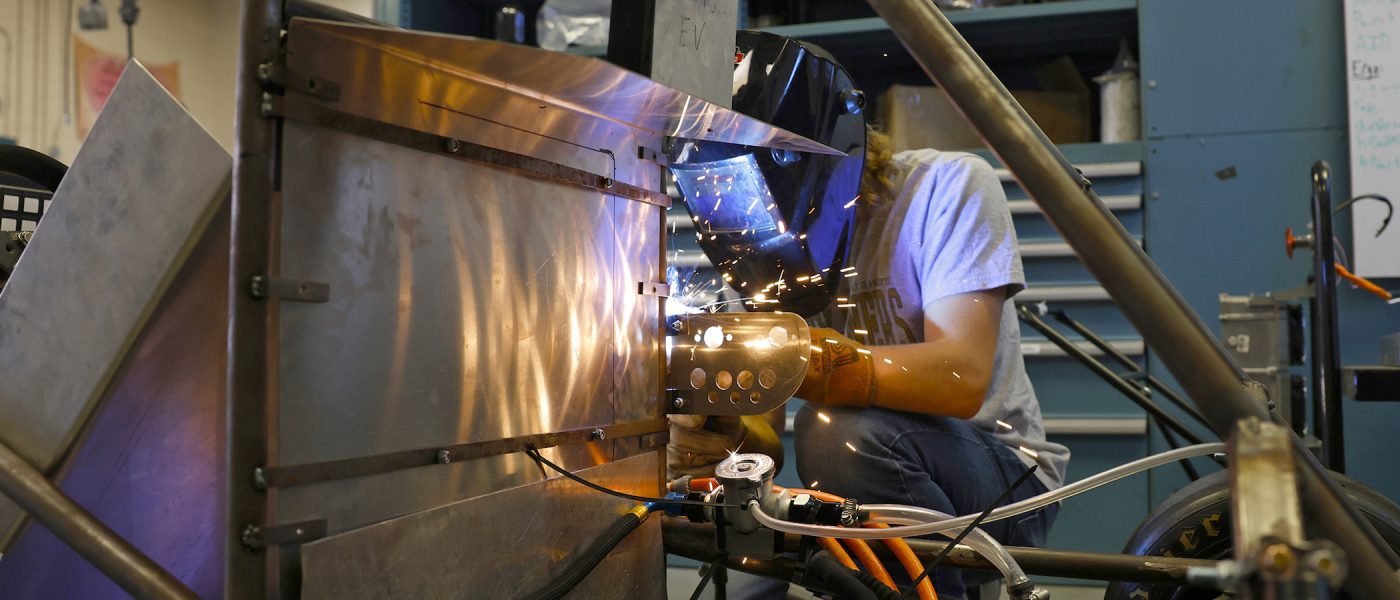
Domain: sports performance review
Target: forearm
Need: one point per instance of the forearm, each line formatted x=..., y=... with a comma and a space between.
x=930, y=378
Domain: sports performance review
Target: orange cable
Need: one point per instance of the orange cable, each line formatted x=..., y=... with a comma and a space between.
x=858, y=546
x=1362, y=282
x=911, y=563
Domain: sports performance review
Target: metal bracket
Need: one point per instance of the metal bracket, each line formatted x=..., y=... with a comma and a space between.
x=289, y=289
x=652, y=288
x=255, y=537
x=278, y=78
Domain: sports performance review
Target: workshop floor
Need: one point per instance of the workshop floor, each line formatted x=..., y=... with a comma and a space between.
x=681, y=582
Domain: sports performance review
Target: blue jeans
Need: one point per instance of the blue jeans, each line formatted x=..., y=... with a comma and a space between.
x=941, y=463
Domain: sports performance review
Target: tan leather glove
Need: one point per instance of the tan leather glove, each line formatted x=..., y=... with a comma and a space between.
x=698, y=443
x=840, y=374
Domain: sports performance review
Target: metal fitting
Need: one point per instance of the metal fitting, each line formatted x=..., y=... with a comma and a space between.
x=597, y=434
x=453, y=145
x=444, y=456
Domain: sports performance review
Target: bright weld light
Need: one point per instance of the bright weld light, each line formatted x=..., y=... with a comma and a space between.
x=863, y=351
x=888, y=361
x=861, y=332
x=853, y=448
x=823, y=417
x=1029, y=452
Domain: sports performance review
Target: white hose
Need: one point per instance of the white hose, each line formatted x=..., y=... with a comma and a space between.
x=922, y=521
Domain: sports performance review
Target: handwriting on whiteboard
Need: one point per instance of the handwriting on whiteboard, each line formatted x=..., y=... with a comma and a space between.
x=1373, y=101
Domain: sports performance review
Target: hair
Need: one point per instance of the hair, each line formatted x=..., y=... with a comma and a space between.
x=877, y=178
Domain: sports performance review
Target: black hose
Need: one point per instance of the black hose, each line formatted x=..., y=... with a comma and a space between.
x=882, y=591
x=32, y=165
x=590, y=557
x=824, y=573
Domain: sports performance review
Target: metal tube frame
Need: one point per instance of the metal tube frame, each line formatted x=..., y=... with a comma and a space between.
x=115, y=557
x=1326, y=358
x=1198, y=361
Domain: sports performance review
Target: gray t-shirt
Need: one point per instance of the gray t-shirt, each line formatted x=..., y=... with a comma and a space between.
x=949, y=232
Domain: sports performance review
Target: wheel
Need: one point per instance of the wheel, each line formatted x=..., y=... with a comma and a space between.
x=1195, y=523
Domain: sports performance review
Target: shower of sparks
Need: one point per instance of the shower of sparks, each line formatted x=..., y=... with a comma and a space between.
x=823, y=416
x=853, y=448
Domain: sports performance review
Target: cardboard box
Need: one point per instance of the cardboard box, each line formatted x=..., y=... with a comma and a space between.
x=922, y=117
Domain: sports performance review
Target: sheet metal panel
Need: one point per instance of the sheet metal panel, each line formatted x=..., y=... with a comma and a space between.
x=131, y=208
x=150, y=466
x=502, y=545
x=467, y=303
x=440, y=84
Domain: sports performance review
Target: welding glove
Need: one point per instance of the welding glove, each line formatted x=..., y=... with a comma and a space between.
x=698, y=443
x=840, y=373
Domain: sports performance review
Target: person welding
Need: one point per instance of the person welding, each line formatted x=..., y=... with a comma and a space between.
x=916, y=391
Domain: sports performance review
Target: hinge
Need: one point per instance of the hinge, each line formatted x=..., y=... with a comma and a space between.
x=255, y=537
x=289, y=289
x=279, y=79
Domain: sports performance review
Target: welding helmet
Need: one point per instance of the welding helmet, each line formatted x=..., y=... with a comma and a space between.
x=778, y=224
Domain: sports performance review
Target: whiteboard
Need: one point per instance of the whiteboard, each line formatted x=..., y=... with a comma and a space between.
x=1373, y=117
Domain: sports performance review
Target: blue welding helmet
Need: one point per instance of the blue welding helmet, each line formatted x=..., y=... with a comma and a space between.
x=778, y=224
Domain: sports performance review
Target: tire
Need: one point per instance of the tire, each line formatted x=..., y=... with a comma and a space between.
x=1195, y=522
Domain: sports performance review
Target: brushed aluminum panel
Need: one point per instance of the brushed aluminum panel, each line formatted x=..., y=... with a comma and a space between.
x=467, y=303
x=637, y=332
x=428, y=81
x=126, y=216
x=502, y=545
x=151, y=465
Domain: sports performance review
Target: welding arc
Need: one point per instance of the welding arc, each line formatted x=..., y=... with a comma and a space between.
x=534, y=454
x=590, y=557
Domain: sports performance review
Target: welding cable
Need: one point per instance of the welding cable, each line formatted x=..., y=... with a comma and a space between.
x=584, y=564
x=919, y=522
x=897, y=546
x=534, y=454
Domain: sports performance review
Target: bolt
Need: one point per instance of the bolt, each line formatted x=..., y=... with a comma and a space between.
x=607, y=182
x=597, y=434
x=299, y=532
x=453, y=145
x=265, y=107
x=444, y=456
x=260, y=478
x=264, y=72
x=1277, y=558
x=679, y=403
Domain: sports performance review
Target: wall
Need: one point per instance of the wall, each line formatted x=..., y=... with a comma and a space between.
x=34, y=49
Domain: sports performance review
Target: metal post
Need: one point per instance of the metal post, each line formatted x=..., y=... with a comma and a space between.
x=115, y=557
x=1131, y=391
x=1175, y=333
x=251, y=391
x=1326, y=363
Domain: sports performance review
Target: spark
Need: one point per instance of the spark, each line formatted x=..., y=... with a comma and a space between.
x=1029, y=452
x=813, y=485
x=823, y=416
x=852, y=202
x=955, y=374
x=1004, y=425
x=861, y=332
x=852, y=274
x=888, y=361
x=853, y=448
x=863, y=351
x=802, y=237
x=816, y=349
x=831, y=341
x=906, y=369
x=847, y=269
x=845, y=306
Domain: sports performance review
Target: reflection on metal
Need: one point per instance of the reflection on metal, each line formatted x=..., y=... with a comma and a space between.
x=501, y=545
x=736, y=363
x=122, y=224
x=1050, y=350
x=1263, y=488
x=295, y=475
x=429, y=82
x=1063, y=293
x=427, y=142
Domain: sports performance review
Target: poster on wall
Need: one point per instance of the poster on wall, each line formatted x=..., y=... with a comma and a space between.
x=97, y=72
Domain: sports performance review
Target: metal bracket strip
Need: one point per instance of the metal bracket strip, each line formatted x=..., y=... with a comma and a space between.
x=298, y=109
x=305, y=474
x=255, y=537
